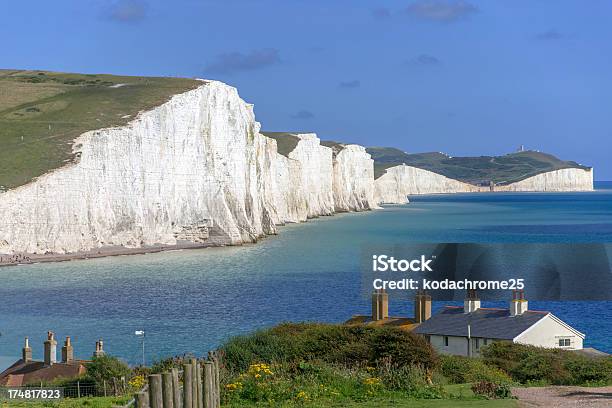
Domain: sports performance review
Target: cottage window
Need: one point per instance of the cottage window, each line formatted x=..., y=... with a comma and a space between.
x=564, y=342
x=445, y=341
x=477, y=344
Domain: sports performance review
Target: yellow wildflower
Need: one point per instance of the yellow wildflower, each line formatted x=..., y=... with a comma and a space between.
x=233, y=386
x=137, y=382
x=302, y=396
x=372, y=381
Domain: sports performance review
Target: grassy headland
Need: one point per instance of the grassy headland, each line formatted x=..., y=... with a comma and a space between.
x=505, y=169
x=285, y=141
x=41, y=113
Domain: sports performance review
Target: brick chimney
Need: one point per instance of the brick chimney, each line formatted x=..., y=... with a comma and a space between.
x=422, y=306
x=67, y=352
x=380, y=305
x=471, y=302
x=50, y=349
x=518, y=304
x=26, y=352
x=99, y=349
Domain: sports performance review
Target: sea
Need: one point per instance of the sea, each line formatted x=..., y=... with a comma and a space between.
x=191, y=301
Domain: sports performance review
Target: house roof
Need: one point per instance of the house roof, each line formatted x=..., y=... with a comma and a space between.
x=484, y=323
x=22, y=373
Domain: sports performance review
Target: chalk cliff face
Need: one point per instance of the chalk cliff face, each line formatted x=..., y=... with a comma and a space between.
x=316, y=175
x=573, y=179
x=353, y=179
x=194, y=169
x=399, y=182
x=168, y=174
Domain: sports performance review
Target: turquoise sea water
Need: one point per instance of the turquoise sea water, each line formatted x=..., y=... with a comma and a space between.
x=190, y=301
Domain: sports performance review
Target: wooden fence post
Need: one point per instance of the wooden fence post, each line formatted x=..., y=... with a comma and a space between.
x=209, y=396
x=167, y=393
x=194, y=382
x=176, y=388
x=217, y=382
x=142, y=399
x=213, y=356
x=79, y=389
x=200, y=388
x=187, y=386
x=155, y=391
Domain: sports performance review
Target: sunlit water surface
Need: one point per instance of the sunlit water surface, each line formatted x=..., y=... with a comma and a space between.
x=190, y=301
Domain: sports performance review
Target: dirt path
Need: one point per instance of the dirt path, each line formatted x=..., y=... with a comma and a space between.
x=562, y=397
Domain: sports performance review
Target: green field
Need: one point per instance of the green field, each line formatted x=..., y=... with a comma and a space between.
x=41, y=113
x=92, y=402
x=287, y=141
x=505, y=169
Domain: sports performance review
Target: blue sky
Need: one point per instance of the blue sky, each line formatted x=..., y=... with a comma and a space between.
x=465, y=77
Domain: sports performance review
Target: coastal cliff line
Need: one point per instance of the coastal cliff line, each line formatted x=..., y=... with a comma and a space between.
x=197, y=170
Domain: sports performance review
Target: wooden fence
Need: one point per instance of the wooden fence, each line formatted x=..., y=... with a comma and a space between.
x=199, y=387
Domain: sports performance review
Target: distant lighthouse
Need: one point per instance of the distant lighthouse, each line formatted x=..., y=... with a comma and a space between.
x=521, y=148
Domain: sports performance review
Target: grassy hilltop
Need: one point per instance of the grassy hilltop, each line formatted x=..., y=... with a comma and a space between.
x=506, y=169
x=41, y=113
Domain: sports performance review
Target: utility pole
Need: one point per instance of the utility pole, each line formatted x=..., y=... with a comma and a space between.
x=141, y=333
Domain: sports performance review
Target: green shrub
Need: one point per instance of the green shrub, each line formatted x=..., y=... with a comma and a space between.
x=459, y=370
x=283, y=383
x=590, y=371
x=167, y=364
x=410, y=379
x=351, y=346
x=537, y=365
x=404, y=378
x=105, y=368
x=402, y=348
x=492, y=390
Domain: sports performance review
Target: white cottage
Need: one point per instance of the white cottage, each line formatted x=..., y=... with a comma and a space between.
x=464, y=330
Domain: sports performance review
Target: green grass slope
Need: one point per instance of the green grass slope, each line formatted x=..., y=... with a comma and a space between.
x=505, y=169
x=41, y=113
x=285, y=141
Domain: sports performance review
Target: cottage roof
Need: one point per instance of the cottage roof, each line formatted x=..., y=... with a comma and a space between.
x=484, y=323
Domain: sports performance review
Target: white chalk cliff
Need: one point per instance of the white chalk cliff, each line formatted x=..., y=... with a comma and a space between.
x=353, y=182
x=197, y=170
x=573, y=179
x=399, y=182
x=193, y=169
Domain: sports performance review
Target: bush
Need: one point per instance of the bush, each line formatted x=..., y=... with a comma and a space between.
x=105, y=368
x=282, y=383
x=459, y=370
x=411, y=379
x=492, y=390
x=304, y=362
x=530, y=364
x=168, y=364
x=350, y=346
x=590, y=371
